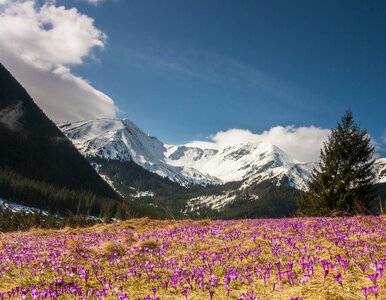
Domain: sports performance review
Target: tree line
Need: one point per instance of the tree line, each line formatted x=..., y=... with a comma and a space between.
x=59, y=200
x=20, y=221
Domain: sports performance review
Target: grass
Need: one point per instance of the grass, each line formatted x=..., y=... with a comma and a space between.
x=243, y=259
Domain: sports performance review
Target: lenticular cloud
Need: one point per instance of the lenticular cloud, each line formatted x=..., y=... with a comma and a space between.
x=39, y=44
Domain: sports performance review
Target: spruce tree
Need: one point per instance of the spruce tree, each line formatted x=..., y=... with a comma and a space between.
x=344, y=182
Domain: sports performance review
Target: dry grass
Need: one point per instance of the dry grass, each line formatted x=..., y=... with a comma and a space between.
x=149, y=244
x=70, y=230
x=110, y=248
x=42, y=232
x=129, y=241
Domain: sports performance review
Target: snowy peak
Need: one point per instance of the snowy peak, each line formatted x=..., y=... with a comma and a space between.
x=250, y=163
x=380, y=168
x=112, y=139
x=233, y=163
x=193, y=153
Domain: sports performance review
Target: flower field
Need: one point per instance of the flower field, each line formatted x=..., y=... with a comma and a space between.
x=304, y=258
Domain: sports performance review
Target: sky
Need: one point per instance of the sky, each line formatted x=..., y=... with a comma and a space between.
x=221, y=72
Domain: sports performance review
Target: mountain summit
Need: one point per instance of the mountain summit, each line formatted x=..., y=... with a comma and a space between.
x=189, y=178
x=122, y=140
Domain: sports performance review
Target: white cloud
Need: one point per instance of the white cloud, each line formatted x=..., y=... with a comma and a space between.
x=39, y=44
x=301, y=143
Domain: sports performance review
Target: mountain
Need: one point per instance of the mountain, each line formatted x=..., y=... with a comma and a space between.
x=39, y=166
x=192, y=180
x=380, y=169
x=188, y=180
x=248, y=162
x=121, y=140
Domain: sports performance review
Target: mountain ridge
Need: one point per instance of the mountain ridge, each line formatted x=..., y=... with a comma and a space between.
x=254, y=168
x=122, y=140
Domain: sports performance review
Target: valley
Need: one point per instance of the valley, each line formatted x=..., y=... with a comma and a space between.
x=246, y=180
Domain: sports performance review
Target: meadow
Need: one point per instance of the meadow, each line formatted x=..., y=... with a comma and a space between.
x=300, y=258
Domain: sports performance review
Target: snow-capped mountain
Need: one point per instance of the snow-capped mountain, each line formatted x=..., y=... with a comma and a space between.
x=380, y=168
x=122, y=140
x=113, y=139
x=248, y=164
x=233, y=163
x=295, y=174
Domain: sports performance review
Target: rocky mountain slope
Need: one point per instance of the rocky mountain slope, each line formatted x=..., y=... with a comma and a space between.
x=32, y=147
x=122, y=140
x=380, y=169
x=202, y=177
x=39, y=166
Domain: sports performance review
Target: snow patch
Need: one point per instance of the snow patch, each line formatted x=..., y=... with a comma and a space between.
x=380, y=169
x=213, y=202
x=250, y=162
x=140, y=194
x=4, y=204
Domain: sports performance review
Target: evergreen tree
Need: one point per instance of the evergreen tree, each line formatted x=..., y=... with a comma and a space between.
x=344, y=182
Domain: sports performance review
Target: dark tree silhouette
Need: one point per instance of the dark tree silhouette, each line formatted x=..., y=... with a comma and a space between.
x=344, y=182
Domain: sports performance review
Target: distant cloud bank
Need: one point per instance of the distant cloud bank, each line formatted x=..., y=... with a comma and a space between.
x=301, y=143
x=39, y=44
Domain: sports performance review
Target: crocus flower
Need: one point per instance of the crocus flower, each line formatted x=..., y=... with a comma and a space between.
x=363, y=267
x=165, y=284
x=185, y=291
x=338, y=278
x=373, y=277
x=366, y=292
x=325, y=273
x=375, y=290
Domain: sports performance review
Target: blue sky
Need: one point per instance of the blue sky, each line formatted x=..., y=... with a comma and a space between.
x=183, y=70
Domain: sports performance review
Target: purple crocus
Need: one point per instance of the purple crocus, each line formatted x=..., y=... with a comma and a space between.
x=278, y=265
x=185, y=291
x=375, y=290
x=338, y=278
x=363, y=267
x=325, y=275
x=373, y=278
x=366, y=292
